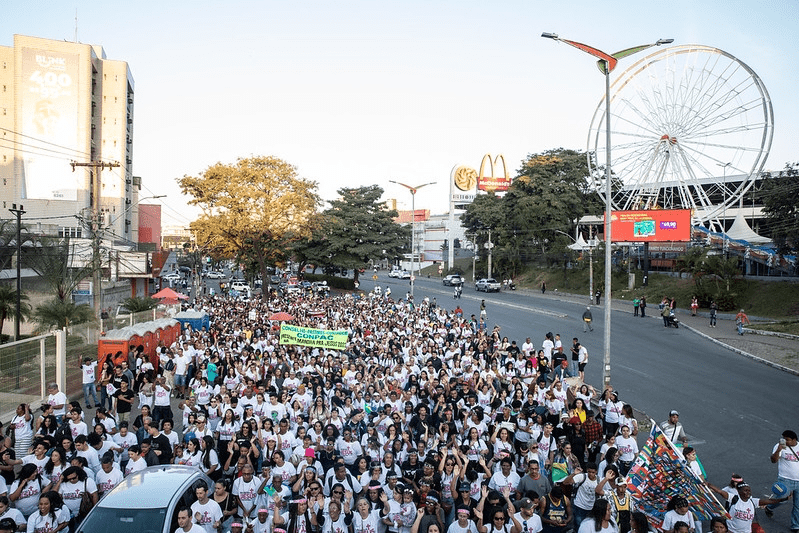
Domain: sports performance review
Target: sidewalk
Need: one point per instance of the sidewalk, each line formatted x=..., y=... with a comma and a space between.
x=780, y=352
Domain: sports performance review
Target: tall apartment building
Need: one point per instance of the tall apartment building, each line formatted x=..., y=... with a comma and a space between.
x=63, y=103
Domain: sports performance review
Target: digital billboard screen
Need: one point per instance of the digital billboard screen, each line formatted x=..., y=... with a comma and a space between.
x=659, y=225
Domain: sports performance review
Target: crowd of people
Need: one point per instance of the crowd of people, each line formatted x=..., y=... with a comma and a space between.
x=427, y=422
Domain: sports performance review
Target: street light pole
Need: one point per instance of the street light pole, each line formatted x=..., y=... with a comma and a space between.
x=724, y=209
x=606, y=64
x=413, y=220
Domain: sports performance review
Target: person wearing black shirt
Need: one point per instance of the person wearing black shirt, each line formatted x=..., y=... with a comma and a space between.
x=159, y=443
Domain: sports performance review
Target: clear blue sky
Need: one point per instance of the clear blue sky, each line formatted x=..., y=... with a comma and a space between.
x=360, y=92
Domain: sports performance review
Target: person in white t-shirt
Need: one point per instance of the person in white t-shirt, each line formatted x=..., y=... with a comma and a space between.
x=89, y=369
x=185, y=524
x=205, y=512
x=245, y=489
x=58, y=400
x=108, y=477
x=529, y=520
x=786, y=455
x=73, y=483
x=742, y=506
x=136, y=462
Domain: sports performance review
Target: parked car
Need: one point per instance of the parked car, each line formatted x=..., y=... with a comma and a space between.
x=173, y=277
x=487, y=285
x=274, y=280
x=148, y=500
x=305, y=285
x=453, y=279
x=320, y=287
x=394, y=274
x=404, y=275
x=215, y=274
x=240, y=285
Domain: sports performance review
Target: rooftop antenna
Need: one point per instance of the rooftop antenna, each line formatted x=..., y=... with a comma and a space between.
x=76, y=24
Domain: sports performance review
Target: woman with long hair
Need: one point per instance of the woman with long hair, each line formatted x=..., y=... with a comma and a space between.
x=44, y=519
x=192, y=455
x=227, y=502
x=55, y=466
x=73, y=484
x=300, y=519
x=26, y=489
x=210, y=459
x=599, y=520
x=106, y=376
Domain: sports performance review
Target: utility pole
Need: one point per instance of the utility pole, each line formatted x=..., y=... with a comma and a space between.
x=18, y=212
x=489, y=245
x=97, y=285
x=473, y=238
x=590, y=266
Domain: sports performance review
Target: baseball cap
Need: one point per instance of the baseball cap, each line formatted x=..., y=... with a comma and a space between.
x=525, y=503
x=464, y=487
x=673, y=412
x=309, y=452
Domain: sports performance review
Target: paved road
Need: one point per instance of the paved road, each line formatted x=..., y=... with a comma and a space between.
x=733, y=408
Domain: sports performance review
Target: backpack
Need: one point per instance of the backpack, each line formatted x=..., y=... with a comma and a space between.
x=169, y=366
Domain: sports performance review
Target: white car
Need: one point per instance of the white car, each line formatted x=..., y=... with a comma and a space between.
x=404, y=275
x=215, y=275
x=173, y=277
x=240, y=286
x=394, y=274
x=487, y=285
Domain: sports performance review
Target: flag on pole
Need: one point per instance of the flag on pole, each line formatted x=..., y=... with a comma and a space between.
x=659, y=473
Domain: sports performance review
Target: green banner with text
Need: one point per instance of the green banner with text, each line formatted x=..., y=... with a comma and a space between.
x=319, y=338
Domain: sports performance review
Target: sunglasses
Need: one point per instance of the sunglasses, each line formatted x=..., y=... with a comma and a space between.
x=338, y=492
x=499, y=518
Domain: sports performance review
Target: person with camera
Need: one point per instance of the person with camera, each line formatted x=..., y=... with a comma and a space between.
x=786, y=457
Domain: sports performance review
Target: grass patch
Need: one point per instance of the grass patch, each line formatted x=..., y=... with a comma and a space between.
x=791, y=327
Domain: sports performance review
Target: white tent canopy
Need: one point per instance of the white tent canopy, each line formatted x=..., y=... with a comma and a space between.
x=741, y=231
x=579, y=244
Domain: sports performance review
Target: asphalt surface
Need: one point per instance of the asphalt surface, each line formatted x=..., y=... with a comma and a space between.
x=732, y=391
x=733, y=407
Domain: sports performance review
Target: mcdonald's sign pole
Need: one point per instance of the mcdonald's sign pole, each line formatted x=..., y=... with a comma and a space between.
x=606, y=64
x=413, y=221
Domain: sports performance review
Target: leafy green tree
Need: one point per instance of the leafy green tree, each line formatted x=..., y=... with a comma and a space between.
x=253, y=209
x=139, y=304
x=780, y=197
x=8, y=305
x=57, y=314
x=358, y=228
x=551, y=193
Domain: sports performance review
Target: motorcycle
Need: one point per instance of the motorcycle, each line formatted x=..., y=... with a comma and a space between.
x=458, y=291
x=509, y=284
x=672, y=320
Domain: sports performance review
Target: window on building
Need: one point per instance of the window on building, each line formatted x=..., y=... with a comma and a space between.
x=74, y=233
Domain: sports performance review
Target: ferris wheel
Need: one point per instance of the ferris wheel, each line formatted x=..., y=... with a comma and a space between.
x=681, y=118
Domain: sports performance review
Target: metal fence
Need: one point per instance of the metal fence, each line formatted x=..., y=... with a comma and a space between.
x=27, y=366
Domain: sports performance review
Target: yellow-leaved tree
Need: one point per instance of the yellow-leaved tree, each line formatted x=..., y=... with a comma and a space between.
x=256, y=208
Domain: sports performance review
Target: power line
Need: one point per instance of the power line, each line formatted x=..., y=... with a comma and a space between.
x=46, y=142
x=35, y=147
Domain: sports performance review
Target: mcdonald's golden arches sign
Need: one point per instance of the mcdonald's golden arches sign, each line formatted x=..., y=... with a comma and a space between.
x=491, y=182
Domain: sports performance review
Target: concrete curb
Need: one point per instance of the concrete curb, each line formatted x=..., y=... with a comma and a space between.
x=772, y=334
x=741, y=352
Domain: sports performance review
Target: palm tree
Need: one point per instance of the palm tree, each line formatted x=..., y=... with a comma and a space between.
x=8, y=305
x=137, y=305
x=60, y=314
